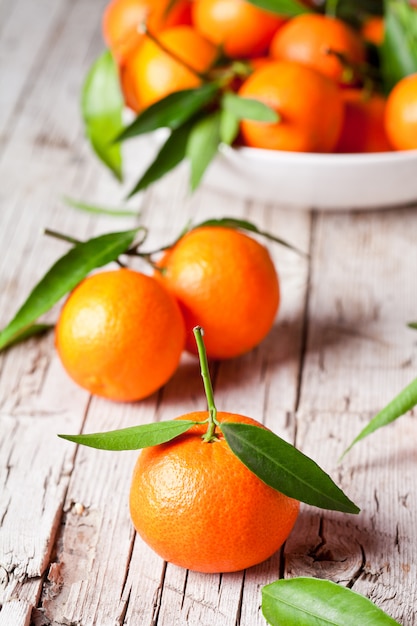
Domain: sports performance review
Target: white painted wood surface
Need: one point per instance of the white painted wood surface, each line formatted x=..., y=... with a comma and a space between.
x=339, y=351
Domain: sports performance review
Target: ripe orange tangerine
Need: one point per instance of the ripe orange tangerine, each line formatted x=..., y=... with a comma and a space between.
x=157, y=70
x=242, y=29
x=225, y=282
x=122, y=19
x=120, y=335
x=309, y=104
x=364, y=128
x=401, y=114
x=313, y=40
x=199, y=507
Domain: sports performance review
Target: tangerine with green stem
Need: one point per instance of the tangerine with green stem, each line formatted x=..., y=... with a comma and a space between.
x=176, y=59
x=198, y=506
x=320, y=42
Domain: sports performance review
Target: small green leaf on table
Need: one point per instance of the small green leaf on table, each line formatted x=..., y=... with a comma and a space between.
x=202, y=146
x=403, y=402
x=282, y=7
x=102, y=108
x=170, y=112
x=100, y=210
x=399, y=48
x=281, y=466
x=134, y=437
x=63, y=276
x=316, y=602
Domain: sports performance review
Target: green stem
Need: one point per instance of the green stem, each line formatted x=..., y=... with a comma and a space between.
x=69, y=239
x=210, y=435
x=331, y=8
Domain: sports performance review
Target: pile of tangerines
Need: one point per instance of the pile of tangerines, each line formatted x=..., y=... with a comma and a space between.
x=121, y=333
x=311, y=68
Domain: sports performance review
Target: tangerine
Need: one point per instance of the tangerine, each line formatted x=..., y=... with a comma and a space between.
x=242, y=29
x=363, y=129
x=198, y=506
x=174, y=62
x=122, y=19
x=120, y=335
x=225, y=282
x=308, y=103
x=373, y=29
x=401, y=114
x=319, y=41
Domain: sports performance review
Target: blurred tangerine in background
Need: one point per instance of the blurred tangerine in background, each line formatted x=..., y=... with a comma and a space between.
x=174, y=62
x=364, y=122
x=240, y=28
x=309, y=106
x=401, y=114
x=122, y=21
x=320, y=42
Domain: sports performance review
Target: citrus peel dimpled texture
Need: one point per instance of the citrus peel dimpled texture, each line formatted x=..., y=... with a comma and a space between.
x=196, y=504
x=120, y=335
x=226, y=283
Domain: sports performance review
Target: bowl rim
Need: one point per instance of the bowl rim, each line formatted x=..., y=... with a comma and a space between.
x=319, y=158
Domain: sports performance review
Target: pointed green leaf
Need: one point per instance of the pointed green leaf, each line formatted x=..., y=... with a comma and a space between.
x=202, y=146
x=100, y=210
x=102, y=107
x=403, y=402
x=248, y=108
x=281, y=466
x=229, y=127
x=134, y=437
x=282, y=7
x=29, y=331
x=398, y=51
x=412, y=325
x=170, y=112
x=63, y=276
x=315, y=602
x=170, y=155
x=231, y=222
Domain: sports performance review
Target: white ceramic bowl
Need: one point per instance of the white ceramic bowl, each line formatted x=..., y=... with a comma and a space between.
x=321, y=181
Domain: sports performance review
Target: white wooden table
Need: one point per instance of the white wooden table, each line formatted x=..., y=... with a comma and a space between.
x=340, y=349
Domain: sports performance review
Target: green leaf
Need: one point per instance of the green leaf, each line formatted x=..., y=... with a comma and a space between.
x=231, y=222
x=134, y=437
x=102, y=107
x=170, y=112
x=63, y=276
x=282, y=7
x=315, y=602
x=412, y=325
x=170, y=155
x=99, y=210
x=248, y=108
x=202, y=146
x=403, y=402
x=229, y=127
x=281, y=466
x=30, y=331
x=398, y=51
